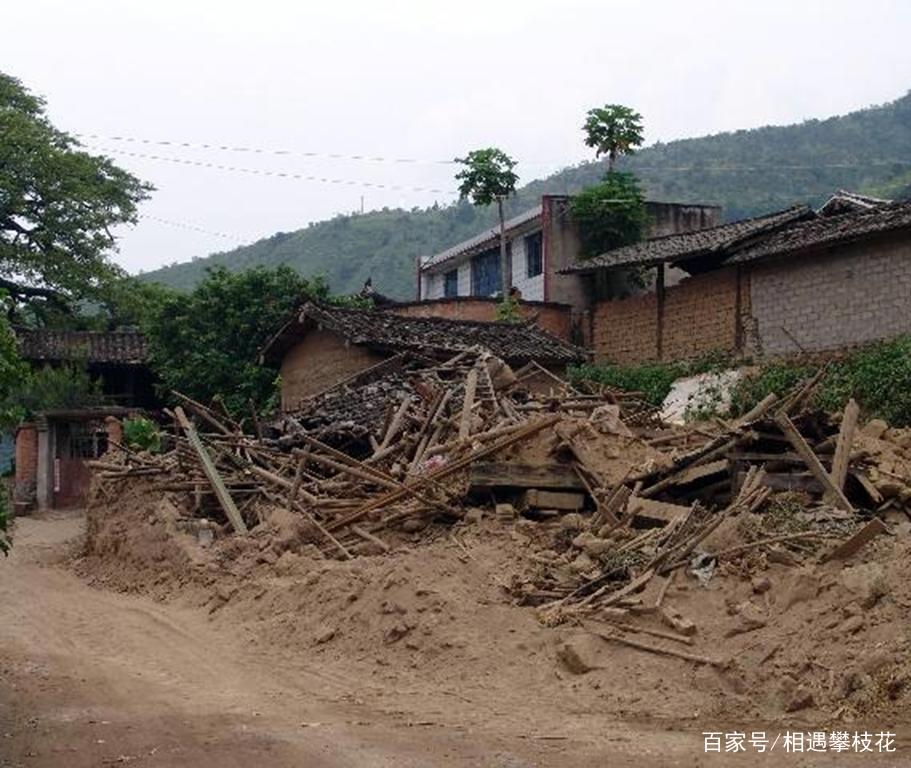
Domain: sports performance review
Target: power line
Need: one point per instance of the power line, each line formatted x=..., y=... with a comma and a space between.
x=413, y=160
x=277, y=174
x=263, y=151
x=193, y=227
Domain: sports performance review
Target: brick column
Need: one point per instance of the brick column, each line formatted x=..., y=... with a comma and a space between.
x=26, y=466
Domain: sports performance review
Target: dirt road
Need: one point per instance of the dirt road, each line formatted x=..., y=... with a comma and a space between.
x=94, y=678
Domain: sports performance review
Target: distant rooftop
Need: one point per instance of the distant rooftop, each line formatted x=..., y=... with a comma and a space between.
x=54, y=346
x=702, y=242
x=427, y=335
x=488, y=235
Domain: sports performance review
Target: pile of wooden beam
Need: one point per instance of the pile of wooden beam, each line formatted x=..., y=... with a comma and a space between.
x=415, y=441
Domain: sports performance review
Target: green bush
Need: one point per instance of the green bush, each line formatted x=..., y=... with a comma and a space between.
x=49, y=388
x=653, y=380
x=878, y=377
x=142, y=434
x=779, y=378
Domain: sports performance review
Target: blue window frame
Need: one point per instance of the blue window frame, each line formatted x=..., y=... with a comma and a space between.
x=485, y=273
x=534, y=263
x=451, y=283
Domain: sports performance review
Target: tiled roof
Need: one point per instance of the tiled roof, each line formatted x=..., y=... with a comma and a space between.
x=491, y=234
x=844, y=201
x=515, y=342
x=702, y=242
x=828, y=231
x=113, y=347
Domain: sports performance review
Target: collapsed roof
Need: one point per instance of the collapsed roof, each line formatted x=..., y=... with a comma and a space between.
x=431, y=336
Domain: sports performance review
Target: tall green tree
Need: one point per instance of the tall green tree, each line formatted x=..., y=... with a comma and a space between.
x=207, y=342
x=13, y=369
x=487, y=177
x=613, y=130
x=58, y=207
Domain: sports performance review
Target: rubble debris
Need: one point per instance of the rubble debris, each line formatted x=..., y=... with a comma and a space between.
x=614, y=514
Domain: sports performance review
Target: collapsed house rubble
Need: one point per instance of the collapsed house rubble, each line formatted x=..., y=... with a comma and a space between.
x=611, y=506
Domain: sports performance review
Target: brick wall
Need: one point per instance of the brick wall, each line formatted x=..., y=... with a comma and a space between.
x=625, y=330
x=553, y=318
x=319, y=361
x=26, y=464
x=842, y=297
x=700, y=316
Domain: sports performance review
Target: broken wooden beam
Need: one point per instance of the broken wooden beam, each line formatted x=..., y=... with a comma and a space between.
x=208, y=467
x=843, y=446
x=535, y=498
x=831, y=493
x=506, y=475
x=859, y=539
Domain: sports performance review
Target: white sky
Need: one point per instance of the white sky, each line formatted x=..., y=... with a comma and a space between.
x=426, y=80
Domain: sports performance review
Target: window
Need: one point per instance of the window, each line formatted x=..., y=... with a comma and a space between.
x=534, y=264
x=451, y=283
x=485, y=273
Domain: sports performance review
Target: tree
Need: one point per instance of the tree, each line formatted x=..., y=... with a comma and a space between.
x=613, y=130
x=610, y=214
x=487, y=177
x=207, y=342
x=13, y=369
x=58, y=205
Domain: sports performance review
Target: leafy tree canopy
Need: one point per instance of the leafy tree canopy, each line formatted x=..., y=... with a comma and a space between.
x=49, y=388
x=613, y=130
x=207, y=342
x=13, y=370
x=58, y=205
x=610, y=214
x=487, y=176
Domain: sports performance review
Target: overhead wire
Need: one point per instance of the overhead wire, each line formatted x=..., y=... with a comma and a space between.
x=276, y=174
x=193, y=228
x=262, y=150
x=180, y=144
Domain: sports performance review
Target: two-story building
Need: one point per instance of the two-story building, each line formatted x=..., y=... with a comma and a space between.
x=541, y=243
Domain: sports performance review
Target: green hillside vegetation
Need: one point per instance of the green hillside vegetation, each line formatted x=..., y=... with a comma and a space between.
x=749, y=172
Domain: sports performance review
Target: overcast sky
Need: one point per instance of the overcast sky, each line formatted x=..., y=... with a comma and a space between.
x=424, y=81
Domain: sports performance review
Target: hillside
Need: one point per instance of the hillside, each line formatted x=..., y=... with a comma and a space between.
x=748, y=172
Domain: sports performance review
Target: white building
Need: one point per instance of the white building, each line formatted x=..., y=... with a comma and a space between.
x=541, y=243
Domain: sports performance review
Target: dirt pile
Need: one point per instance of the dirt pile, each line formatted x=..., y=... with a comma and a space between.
x=756, y=569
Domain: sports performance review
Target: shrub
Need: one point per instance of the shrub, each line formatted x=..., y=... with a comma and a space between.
x=878, y=377
x=653, y=380
x=142, y=434
x=771, y=377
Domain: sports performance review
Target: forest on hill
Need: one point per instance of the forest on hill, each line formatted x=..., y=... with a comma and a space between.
x=749, y=172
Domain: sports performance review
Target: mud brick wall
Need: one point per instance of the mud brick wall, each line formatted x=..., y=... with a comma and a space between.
x=553, y=318
x=700, y=316
x=625, y=330
x=321, y=360
x=834, y=299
